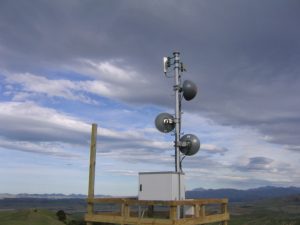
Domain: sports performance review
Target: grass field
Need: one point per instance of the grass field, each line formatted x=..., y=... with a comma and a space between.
x=265, y=218
x=29, y=217
x=46, y=217
x=278, y=211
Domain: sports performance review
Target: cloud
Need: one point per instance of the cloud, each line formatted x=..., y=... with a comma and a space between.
x=246, y=70
x=32, y=128
x=259, y=163
x=45, y=148
x=212, y=149
x=123, y=172
x=107, y=70
x=30, y=122
x=31, y=85
x=139, y=156
x=105, y=80
x=243, y=56
x=264, y=165
x=254, y=172
x=293, y=148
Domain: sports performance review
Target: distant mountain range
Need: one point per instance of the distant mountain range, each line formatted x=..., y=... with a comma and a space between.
x=46, y=196
x=235, y=195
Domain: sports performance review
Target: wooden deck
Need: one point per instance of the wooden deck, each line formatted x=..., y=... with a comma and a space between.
x=142, y=212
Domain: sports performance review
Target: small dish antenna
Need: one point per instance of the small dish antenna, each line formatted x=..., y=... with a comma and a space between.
x=164, y=122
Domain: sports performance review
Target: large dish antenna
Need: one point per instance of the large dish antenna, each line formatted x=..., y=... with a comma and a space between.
x=189, y=90
x=190, y=144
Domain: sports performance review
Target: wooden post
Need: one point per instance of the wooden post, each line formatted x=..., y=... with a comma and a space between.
x=224, y=207
x=127, y=210
x=202, y=211
x=197, y=211
x=90, y=207
x=173, y=212
x=224, y=211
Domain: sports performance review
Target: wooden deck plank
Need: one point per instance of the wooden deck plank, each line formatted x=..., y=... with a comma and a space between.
x=129, y=220
x=155, y=221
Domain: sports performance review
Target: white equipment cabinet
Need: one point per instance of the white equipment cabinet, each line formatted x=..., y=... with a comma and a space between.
x=164, y=186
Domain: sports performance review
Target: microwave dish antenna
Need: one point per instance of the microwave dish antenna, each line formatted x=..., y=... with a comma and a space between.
x=189, y=90
x=164, y=122
x=190, y=144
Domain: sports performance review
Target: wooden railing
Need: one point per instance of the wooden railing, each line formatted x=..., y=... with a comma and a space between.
x=181, y=212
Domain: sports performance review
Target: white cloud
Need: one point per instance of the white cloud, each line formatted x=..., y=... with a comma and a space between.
x=34, y=126
x=102, y=88
x=31, y=85
x=46, y=148
x=213, y=149
x=123, y=172
x=41, y=84
x=29, y=127
x=31, y=111
x=21, y=96
x=115, y=79
x=106, y=80
x=21, y=114
x=107, y=70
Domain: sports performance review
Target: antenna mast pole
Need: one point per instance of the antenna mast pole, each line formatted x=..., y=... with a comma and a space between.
x=177, y=111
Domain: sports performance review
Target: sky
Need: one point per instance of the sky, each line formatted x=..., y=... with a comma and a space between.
x=67, y=64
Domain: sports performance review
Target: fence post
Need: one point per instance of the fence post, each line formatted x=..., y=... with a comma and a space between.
x=224, y=211
x=197, y=210
x=173, y=212
x=202, y=210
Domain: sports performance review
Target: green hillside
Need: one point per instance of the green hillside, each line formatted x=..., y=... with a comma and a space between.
x=29, y=217
x=265, y=217
x=277, y=211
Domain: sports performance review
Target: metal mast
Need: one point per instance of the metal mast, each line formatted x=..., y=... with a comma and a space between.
x=177, y=111
x=189, y=144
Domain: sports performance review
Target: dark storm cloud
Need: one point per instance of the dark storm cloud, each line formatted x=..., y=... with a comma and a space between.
x=257, y=163
x=243, y=55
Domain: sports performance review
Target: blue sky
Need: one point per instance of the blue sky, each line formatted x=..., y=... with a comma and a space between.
x=67, y=64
